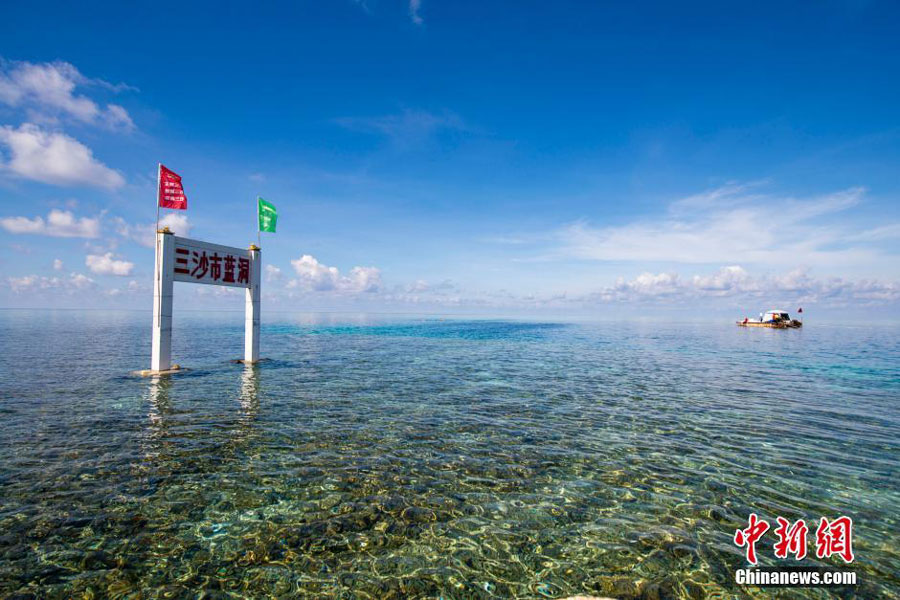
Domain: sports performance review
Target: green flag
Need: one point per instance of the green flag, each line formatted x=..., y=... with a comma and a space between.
x=268, y=216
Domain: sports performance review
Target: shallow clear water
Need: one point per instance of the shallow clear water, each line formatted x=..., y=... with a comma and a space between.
x=390, y=457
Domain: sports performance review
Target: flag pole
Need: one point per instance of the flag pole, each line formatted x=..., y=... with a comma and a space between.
x=258, y=234
x=158, y=175
x=157, y=265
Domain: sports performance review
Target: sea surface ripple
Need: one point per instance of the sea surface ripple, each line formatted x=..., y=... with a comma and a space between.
x=416, y=457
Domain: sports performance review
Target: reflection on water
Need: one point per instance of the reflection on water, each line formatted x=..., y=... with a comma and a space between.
x=249, y=393
x=376, y=458
x=159, y=402
x=159, y=415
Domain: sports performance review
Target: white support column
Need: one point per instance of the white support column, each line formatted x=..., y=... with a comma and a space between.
x=163, y=284
x=251, y=308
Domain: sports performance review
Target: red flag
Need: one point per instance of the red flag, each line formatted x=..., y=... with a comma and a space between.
x=171, y=192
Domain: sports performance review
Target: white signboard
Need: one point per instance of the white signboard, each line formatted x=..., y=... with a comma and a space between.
x=182, y=259
x=202, y=262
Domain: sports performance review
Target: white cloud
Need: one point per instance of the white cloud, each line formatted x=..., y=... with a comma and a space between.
x=728, y=225
x=54, y=158
x=177, y=222
x=32, y=283
x=725, y=280
x=418, y=286
x=273, y=273
x=80, y=281
x=363, y=279
x=736, y=282
x=47, y=92
x=57, y=265
x=145, y=234
x=314, y=276
x=414, y=7
x=105, y=264
x=133, y=288
x=648, y=284
x=728, y=286
x=117, y=117
x=59, y=223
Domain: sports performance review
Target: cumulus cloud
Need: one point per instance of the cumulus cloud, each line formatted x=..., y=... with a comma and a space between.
x=80, y=281
x=54, y=158
x=314, y=276
x=178, y=223
x=105, y=264
x=145, y=234
x=363, y=279
x=648, y=284
x=48, y=92
x=731, y=224
x=59, y=223
x=32, y=283
x=418, y=286
x=133, y=288
x=724, y=281
x=727, y=286
x=273, y=273
x=797, y=285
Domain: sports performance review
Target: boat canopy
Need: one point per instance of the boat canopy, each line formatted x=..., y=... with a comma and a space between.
x=771, y=314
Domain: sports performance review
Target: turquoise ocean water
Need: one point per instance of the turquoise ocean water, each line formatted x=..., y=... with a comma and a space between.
x=415, y=457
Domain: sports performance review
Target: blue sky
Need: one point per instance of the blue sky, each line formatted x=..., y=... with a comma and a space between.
x=439, y=156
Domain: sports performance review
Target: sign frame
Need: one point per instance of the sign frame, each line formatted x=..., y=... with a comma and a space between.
x=170, y=265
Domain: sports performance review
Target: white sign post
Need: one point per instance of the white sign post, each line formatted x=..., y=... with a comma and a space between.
x=183, y=259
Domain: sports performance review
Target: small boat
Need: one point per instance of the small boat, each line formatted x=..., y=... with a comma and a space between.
x=776, y=319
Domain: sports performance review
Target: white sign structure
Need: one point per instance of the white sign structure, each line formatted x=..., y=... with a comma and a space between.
x=183, y=259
